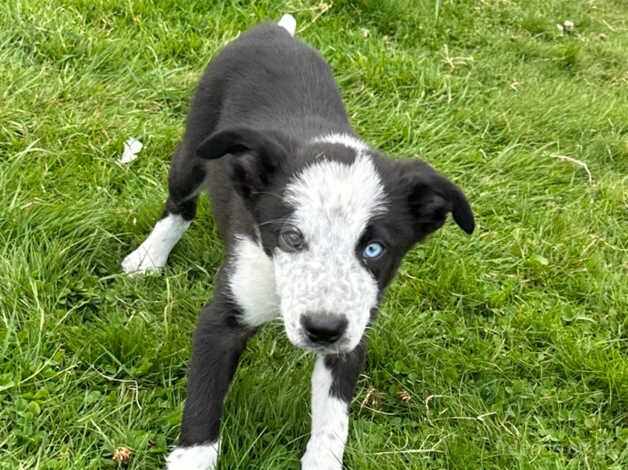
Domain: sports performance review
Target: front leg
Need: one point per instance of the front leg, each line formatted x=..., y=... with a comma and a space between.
x=333, y=385
x=219, y=340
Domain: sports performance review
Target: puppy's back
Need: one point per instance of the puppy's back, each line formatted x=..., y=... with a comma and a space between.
x=266, y=79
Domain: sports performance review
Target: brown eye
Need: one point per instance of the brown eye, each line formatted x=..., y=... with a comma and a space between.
x=291, y=240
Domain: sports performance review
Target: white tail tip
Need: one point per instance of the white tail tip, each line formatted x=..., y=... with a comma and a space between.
x=288, y=23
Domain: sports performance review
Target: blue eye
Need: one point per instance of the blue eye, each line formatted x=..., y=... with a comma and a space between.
x=373, y=250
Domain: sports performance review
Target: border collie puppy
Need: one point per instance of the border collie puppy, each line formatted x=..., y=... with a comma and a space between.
x=314, y=222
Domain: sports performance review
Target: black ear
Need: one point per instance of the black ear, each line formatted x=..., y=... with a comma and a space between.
x=256, y=156
x=431, y=197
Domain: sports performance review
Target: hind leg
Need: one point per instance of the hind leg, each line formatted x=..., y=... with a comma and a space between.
x=184, y=182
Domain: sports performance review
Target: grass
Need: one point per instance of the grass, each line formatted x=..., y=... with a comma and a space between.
x=507, y=349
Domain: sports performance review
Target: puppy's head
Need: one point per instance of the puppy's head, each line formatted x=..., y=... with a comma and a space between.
x=336, y=219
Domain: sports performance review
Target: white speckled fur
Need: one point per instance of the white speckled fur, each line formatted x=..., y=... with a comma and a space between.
x=201, y=457
x=330, y=424
x=152, y=255
x=333, y=203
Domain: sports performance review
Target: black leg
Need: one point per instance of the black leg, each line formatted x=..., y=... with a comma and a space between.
x=187, y=174
x=333, y=386
x=218, y=343
x=185, y=179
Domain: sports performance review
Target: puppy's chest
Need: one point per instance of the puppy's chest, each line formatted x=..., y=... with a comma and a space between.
x=252, y=282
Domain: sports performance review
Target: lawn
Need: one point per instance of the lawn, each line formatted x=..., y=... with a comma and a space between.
x=506, y=349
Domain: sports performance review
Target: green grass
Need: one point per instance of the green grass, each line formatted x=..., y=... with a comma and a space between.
x=510, y=346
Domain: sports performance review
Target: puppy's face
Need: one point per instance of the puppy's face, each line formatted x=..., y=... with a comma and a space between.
x=336, y=220
x=324, y=252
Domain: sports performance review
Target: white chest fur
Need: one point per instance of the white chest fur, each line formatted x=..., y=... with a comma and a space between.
x=252, y=282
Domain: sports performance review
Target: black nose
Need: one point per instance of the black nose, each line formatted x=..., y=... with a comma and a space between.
x=324, y=328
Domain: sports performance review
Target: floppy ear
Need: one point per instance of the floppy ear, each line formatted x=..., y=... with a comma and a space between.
x=256, y=156
x=431, y=196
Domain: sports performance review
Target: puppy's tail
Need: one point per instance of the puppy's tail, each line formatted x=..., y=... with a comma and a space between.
x=288, y=23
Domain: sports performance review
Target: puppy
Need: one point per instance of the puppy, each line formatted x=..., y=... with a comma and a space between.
x=314, y=222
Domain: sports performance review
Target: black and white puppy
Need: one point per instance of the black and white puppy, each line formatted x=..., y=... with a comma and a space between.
x=314, y=221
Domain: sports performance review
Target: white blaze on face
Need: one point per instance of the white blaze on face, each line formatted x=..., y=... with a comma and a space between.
x=333, y=203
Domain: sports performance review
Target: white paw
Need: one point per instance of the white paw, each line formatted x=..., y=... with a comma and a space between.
x=201, y=457
x=317, y=457
x=152, y=255
x=144, y=260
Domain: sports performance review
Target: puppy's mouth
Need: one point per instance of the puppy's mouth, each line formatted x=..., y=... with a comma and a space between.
x=336, y=348
x=340, y=346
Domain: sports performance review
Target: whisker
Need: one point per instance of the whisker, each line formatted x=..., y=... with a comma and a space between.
x=281, y=220
x=268, y=193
